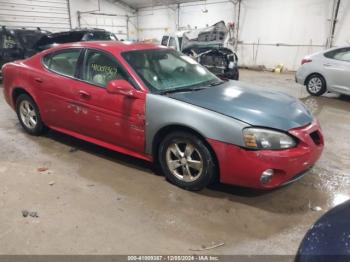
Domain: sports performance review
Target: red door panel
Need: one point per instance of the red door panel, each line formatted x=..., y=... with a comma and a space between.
x=115, y=119
x=59, y=101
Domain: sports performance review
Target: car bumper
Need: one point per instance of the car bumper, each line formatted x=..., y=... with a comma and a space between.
x=300, y=76
x=239, y=166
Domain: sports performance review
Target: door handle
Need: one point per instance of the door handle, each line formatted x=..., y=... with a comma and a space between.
x=84, y=94
x=38, y=80
x=327, y=65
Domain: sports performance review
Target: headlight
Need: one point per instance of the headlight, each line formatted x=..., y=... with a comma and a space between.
x=258, y=138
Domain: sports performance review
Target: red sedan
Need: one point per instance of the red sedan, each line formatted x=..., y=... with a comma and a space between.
x=157, y=104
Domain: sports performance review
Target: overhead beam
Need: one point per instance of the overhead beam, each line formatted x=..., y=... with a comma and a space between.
x=125, y=5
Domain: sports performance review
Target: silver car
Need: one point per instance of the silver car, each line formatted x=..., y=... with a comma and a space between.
x=326, y=71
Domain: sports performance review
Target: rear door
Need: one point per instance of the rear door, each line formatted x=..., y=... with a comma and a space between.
x=58, y=89
x=337, y=68
x=112, y=118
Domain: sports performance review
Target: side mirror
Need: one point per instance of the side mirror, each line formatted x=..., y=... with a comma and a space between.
x=121, y=87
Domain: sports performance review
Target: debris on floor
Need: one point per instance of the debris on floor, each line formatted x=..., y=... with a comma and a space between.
x=203, y=248
x=26, y=213
x=42, y=169
x=315, y=208
x=51, y=183
x=33, y=214
x=279, y=69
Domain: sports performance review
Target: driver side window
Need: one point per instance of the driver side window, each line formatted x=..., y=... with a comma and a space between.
x=100, y=68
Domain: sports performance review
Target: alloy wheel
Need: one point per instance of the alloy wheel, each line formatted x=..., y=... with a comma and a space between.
x=28, y=114
x=184, y=161
x=315, y=85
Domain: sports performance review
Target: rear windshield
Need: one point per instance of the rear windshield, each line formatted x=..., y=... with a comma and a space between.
x=99, y=36
x=30, y=38
x=71, y=37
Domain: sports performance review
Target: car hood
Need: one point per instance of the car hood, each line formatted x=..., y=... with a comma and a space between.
x=250, y=104
x=210, y=37
x=329, y=236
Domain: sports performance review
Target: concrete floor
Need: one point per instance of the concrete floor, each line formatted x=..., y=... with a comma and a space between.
x=102, y=202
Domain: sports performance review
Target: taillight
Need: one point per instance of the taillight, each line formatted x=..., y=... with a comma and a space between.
x=305, y=61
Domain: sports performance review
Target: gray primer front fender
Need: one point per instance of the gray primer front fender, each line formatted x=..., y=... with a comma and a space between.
x=162, y=111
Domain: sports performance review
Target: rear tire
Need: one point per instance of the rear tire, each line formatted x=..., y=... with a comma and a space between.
x=29, y=116
x=186, y=161
x=316, y=85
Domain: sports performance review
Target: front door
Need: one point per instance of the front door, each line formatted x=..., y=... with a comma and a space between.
x=112, y=118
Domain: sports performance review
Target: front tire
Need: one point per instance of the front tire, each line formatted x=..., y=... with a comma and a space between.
x=186, y=161
x=29, y=116
x=316, y=85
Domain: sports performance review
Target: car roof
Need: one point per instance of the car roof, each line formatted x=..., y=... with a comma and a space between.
x=111, y=46
x=20, y=30
x=79, y=31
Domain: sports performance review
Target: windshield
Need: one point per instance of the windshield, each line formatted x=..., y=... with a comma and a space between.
x=165, y=70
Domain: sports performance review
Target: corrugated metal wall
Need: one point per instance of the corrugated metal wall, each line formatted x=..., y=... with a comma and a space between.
x=52, y=15
x=116, y=24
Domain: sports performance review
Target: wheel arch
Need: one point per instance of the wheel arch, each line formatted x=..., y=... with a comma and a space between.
x=164, y=131
x=313, y=74
x=17, y=91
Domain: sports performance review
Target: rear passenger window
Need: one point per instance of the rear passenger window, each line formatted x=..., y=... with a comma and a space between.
x=63, y=62
x=342, y=54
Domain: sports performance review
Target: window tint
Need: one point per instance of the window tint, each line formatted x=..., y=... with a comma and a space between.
x=165, y=40
x=172, y=42
x=8, y=42
x=100, y=68
x=63, y=62
x=339, y=54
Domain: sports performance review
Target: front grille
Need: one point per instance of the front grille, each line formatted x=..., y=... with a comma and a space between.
x=315, y=136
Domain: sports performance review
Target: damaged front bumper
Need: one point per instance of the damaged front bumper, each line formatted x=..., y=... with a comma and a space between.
x=239, y=166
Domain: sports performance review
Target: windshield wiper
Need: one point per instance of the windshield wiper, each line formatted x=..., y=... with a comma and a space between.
x=182, y=90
